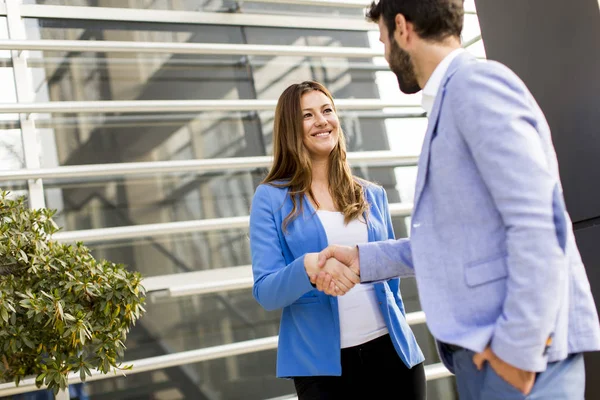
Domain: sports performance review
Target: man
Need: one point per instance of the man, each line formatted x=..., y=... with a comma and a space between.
x=497, y=267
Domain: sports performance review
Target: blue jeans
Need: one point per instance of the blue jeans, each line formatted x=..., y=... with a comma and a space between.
x=562, y=380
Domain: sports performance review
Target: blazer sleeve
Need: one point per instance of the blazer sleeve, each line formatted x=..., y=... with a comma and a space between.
x=391, y=236
x=497, y=119
x=388, y=216
x=380, y=261
x=276, y=283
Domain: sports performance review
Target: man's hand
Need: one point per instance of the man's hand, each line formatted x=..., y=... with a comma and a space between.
x=518, y=378
x=345, y=254
x=324, y=280
x=333, y=278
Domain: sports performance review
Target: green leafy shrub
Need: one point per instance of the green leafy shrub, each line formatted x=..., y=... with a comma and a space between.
x=61, y=311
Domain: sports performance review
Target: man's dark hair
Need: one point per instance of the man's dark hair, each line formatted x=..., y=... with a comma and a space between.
x=432, y=19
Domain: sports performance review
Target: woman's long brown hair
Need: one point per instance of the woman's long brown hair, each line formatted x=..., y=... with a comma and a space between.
x=292, y=166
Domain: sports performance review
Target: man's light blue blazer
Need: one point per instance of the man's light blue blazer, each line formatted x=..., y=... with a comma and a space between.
x=491, y=243
x=309, y=334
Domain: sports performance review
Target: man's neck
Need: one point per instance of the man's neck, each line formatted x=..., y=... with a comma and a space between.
x=430, y=57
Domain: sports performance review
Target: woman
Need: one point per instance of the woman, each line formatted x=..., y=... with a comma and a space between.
x=358, y=345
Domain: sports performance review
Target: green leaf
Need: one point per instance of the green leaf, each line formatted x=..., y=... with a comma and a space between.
x=82, y=336
x=63, y=382
x=24, y=256
x=28, y=342
x=41, y=376
x=60, y=310
x=69, y=317
x=67, y=312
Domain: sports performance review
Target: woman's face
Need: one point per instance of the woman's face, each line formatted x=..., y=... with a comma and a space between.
x=321, y=124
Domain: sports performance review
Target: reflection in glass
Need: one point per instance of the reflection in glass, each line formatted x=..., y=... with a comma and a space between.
x=69, y=139
x=248, y=7
x=248, y=377
x=193, y=322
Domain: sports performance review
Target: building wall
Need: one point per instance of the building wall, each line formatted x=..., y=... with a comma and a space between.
x=561, y=69
x=193, y=322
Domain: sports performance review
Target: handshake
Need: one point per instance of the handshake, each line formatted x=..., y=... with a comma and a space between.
x=335, y=270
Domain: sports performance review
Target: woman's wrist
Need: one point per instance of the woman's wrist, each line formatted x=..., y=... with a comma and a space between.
x=310, y=263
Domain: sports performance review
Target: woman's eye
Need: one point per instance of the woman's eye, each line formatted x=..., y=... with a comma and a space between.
x=307, y=115
x=328, y=110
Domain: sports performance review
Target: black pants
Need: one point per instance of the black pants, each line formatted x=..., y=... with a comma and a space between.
x=372, y=370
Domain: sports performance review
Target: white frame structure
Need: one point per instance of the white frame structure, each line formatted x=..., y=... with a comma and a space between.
x=362, y=4
x=432, y=371
x=24, y=92
x=153, y=106
x=172, y=228
x=194, y=17
x=190, y=48
x=232, y=278
x=372, y=158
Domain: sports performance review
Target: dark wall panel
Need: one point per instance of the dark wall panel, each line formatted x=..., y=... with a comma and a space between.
x=587, y=240
x=554, y=46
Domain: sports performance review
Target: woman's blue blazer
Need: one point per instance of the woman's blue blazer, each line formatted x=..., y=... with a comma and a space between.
x=309, y=334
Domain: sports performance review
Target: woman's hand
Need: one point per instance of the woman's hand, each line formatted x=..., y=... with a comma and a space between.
x=342, y=278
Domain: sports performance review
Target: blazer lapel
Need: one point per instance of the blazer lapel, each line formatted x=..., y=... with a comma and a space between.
x=423, y=165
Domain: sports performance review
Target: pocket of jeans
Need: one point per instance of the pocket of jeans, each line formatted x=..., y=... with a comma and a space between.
x=494, y=383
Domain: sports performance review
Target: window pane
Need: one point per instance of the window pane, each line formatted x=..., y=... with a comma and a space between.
x=194, y=322
x=249, y=376
x=247, y=7
x=86, y=204
x=200, y=321
x=11, y=144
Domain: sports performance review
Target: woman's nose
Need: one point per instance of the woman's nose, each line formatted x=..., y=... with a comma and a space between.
x=321, y=120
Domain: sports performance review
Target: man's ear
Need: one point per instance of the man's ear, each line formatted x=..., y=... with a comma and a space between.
x=401, y=31
x=404, y=32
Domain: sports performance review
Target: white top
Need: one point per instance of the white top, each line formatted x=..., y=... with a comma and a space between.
x=360, y=315
x=435, y=80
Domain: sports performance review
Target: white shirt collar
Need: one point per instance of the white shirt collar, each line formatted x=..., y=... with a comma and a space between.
x=435, y=80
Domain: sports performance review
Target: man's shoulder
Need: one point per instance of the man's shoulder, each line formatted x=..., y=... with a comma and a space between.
x=482, y=72
x=474, y=82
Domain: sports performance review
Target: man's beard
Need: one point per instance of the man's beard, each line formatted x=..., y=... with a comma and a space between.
x=401, y=64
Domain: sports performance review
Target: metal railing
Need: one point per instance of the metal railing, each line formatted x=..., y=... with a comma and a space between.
x=432, y=371
x=152, y=106
x=321, y=3
x=197, y=48
x=329, y=3
x=189, y=48
x=170, y=228
x=194, y=17
x=373, y=158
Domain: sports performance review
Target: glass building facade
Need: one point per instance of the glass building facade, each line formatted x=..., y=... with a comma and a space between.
x=151, y=157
